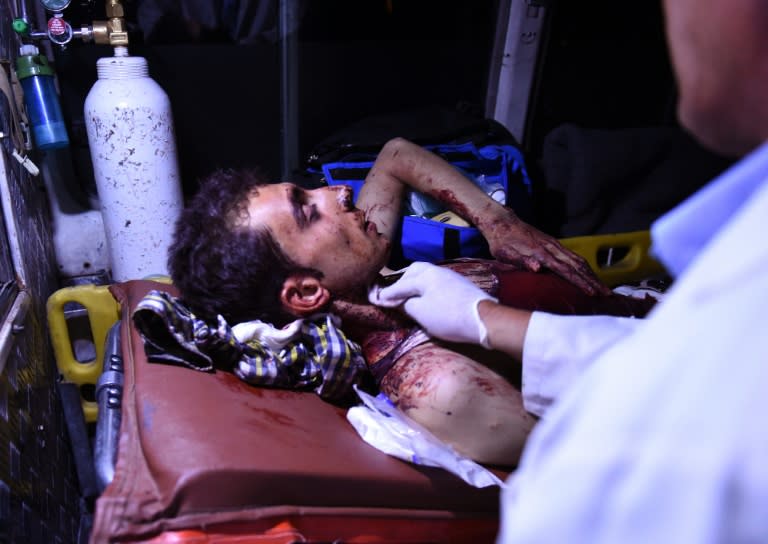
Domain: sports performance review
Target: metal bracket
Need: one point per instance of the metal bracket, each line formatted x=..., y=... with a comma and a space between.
x=514, y=63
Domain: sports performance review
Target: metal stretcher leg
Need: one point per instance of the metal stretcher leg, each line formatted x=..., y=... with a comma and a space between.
x=109, y=393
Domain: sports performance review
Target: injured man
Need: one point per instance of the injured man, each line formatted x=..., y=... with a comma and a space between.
x=247, y=250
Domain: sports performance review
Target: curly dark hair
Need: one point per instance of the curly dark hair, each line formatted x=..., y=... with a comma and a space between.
x=222, y=267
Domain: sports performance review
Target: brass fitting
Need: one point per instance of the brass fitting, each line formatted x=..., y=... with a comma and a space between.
x=113, y=31
x=115, y=9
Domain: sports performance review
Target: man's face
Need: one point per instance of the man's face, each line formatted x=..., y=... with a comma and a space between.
x=321, y=229
x=718, y=48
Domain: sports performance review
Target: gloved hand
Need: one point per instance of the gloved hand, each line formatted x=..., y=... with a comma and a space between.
x=440, y=300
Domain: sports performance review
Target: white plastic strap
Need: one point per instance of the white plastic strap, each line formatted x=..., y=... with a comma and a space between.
x=26, y=162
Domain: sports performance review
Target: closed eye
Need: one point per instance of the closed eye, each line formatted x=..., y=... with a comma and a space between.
x=310, y=212
x=303, y=212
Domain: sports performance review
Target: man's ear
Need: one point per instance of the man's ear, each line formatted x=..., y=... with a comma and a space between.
x=303, y=294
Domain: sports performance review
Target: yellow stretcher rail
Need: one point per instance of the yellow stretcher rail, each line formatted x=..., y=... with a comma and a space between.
x=617, y=258
x=102, y=311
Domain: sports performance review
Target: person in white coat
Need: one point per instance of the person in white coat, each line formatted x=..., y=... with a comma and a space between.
x=651, y=430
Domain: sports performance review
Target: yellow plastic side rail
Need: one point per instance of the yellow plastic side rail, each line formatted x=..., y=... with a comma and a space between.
x=103, y=311
x=634, y=264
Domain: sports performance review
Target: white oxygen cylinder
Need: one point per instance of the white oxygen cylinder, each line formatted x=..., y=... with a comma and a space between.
x=133, y=149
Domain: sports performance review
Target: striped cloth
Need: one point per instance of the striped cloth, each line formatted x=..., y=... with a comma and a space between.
x=312, y=353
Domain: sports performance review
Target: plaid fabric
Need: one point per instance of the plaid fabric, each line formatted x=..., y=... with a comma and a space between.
x=311, y=353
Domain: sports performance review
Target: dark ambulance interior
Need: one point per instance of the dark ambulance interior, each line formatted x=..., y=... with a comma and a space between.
x=270, y=83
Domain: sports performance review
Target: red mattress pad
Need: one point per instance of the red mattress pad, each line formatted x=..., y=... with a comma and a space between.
x=203, y=450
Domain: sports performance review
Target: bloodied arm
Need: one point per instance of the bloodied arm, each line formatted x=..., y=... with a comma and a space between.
x=402, y=165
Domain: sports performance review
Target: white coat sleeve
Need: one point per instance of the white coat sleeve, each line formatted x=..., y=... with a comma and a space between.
x=663, y=438
x=558, y=348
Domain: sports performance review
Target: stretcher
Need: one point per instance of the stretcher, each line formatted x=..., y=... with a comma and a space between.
x=187, y=456
x=205, y=457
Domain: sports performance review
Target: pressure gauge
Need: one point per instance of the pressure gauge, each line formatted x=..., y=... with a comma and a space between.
x=59, y=31
x=55, y=5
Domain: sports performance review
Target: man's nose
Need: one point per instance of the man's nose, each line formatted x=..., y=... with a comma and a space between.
x=343, y=195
